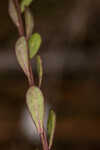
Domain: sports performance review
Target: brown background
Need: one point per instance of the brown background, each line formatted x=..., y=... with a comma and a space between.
x=71, y=56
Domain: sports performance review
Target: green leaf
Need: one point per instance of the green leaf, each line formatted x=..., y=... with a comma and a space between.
x=29, y=22
x=39, y=69
x=13, y=12
x=34, y=44
x=35, y=103
x=22, y=54
x=25, y=3
x=51, y=127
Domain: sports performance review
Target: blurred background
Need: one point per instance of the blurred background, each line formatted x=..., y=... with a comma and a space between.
x=70, y=50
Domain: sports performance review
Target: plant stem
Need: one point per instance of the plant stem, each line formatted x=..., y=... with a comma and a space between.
x=44, y=141
x=22, y=33
x=30, y=78
x=21, y=27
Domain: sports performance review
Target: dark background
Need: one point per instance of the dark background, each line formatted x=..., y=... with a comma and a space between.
x=70, y=49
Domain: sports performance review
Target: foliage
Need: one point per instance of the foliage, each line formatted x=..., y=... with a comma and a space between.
x=34, y=44
x=26, y=48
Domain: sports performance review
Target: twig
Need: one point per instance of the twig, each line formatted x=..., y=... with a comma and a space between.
x=31, y=81
x=22, y=33
x=21, y=27
x=44, y=141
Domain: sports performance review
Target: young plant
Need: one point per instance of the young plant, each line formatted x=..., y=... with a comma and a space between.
x=26, y=48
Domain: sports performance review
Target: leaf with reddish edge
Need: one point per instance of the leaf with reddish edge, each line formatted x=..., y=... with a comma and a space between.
x=35, y=103
x=29, y=23
x=51, y=126
x=13, y=12
x=22, y=54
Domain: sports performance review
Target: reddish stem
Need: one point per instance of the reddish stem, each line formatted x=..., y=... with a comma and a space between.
x=22, y=33
x=21, y=27
x=44, y=141
x=30, y=78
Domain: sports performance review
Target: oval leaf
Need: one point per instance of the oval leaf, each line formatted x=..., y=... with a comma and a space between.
x=29, y=22
x=35, y=103
x=22, y=54
x=34, y=44
x=25, y=3
x=51, y=126
x=39, y=69
x=13, y=12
